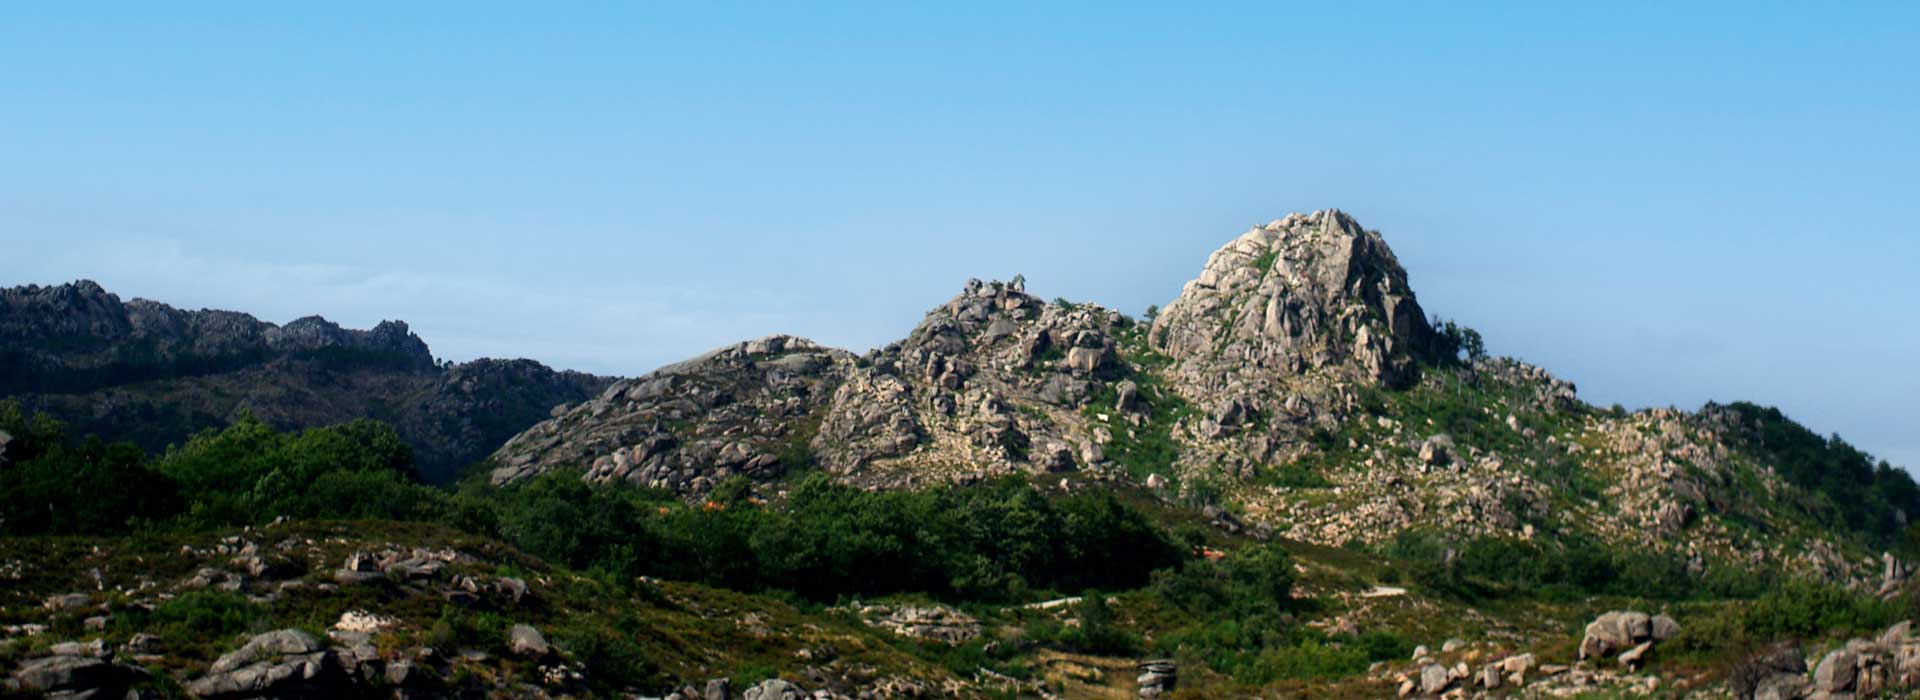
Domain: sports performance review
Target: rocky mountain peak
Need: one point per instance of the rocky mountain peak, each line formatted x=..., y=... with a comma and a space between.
x=1302, y=293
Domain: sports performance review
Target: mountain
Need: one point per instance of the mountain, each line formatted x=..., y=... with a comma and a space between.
x=149, y=373
x=1296, y=381
x=1291, y=481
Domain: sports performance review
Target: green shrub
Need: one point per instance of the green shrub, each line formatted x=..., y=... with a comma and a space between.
x=1802, y=609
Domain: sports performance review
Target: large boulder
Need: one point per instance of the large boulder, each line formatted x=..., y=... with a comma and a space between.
x=286, y=663
x=527, y=641
x=1158, y=677
x=1434, y=678
x=74, y=677
x=1619, y=631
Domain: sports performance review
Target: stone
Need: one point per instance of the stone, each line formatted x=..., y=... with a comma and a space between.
x=515, y=589
x=1614, y=631
x=718, y=689
x=1663, y=628
x=1434, y=678
x=1085, y=360
x=934, y=623
x=281, y=663
x=73, y=674
x=1158, y=677
x=1491, y=677
x=1452, y=645
x=526, y=641
x=1781, y=686
x=1128, y=394
x=1518, y=663
x=70, y=601
x=1836, y=672
x=1632, y=658
x=774, y=689
x=1437, y=450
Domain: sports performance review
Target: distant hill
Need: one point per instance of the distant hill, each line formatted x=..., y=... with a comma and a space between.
x=152, y=374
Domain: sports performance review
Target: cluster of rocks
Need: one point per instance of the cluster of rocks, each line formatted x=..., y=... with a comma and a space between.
x=76, y=671
x=935, y=623
x=1629, y=634
x=1858, y=668
x=1158, y=677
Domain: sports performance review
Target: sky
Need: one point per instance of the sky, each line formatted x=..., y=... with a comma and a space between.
x=1665, y=203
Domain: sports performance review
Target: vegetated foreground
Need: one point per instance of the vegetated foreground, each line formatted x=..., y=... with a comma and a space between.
x=1288, y=483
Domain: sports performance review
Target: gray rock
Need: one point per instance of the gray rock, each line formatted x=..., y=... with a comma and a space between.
x=1632, y=658
x=774, y=689
x=1614, y=631
x=71, y=674
x=1437, y=450
x=1781, y=686
x=286, y=663
x=1836, y=672
x=1129, y=396
x=527, y=641
x=1434, y=678
x=1663, y=628
x=718, y=689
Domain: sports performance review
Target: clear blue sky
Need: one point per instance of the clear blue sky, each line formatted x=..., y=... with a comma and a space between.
x=1664, y=205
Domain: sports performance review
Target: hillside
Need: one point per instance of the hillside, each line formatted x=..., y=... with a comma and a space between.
x=1296, y=383
x=152, y=374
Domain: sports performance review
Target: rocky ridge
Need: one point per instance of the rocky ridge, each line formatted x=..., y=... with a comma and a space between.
x=150, y=373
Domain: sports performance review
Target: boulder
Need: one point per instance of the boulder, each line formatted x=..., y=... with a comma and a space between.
x=1434, y=678
x=527, y=641
x=1835, y=673
x=286, y=663
x=1158, y=677
x=718, y=689
x=1437, y=450
x=72, y=676
x=774, y=689
x=1128, y=396
x=1632, y=658
x=1663, y=628
x=1615, y=631
x=1086, y=360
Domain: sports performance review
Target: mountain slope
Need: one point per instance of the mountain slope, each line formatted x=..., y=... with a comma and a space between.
x=153, y=374
x=1296, y=381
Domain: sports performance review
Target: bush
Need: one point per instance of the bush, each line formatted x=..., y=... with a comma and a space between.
x=57, y=486
x=1802, y=609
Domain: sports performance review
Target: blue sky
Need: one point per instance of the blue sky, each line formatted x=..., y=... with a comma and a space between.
x=1665, y=205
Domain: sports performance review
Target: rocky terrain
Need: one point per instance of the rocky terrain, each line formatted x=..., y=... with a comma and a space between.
x=1296, y=381
x=153, y=374
x=1291, y=481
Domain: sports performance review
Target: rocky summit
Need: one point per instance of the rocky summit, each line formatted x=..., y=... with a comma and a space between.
x=150, y=373
x=1290, y=481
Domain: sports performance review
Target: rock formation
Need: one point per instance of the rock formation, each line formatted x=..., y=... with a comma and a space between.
x=153, y=374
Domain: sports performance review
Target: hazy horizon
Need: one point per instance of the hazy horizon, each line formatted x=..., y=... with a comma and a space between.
x=1666, y=207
